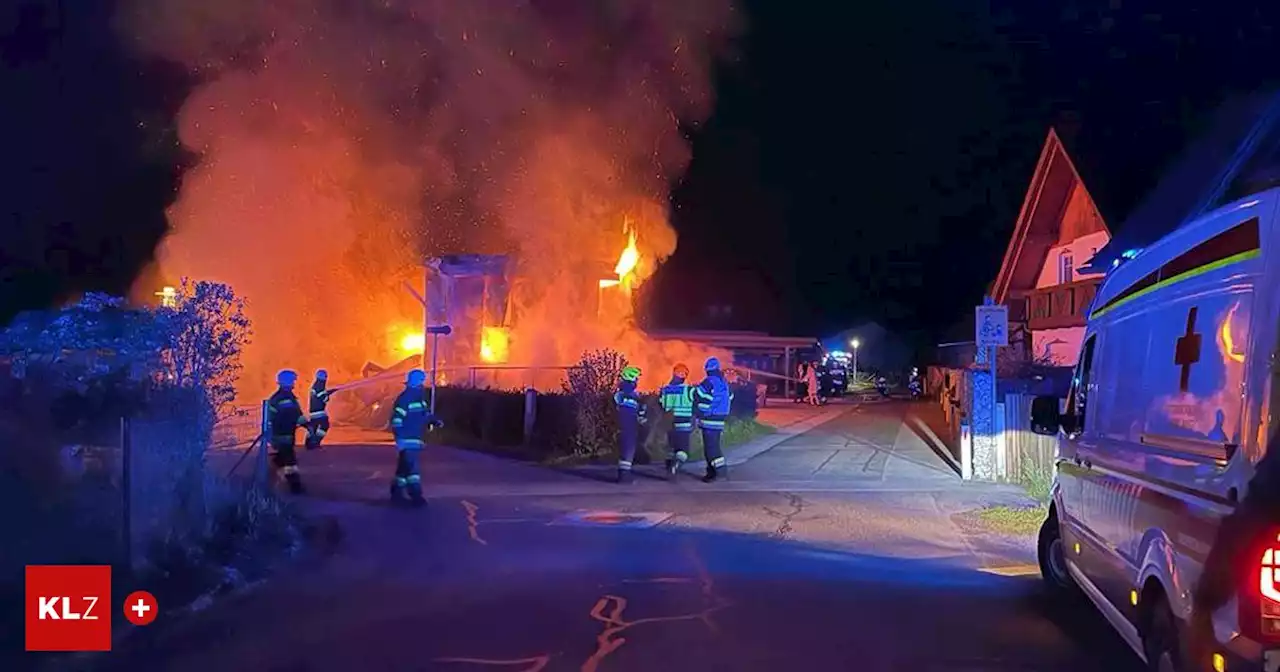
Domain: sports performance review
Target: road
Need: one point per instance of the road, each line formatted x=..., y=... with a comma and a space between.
x=835, y=550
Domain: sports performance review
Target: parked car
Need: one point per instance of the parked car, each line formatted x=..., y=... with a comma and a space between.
x=1166, y=417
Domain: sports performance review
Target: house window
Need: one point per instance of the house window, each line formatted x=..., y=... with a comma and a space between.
x=1066, y=268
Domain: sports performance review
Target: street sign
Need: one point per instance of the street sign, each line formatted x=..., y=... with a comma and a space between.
x=442, y=330
x=992, y=323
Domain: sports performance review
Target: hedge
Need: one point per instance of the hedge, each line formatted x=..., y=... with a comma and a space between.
x=493, y=420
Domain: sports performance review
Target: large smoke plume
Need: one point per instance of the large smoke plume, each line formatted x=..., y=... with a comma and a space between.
x=342, y=140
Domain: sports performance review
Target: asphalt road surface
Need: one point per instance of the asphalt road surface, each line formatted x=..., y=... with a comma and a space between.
x=836, y=550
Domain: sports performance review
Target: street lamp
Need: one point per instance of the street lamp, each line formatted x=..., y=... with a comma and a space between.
x=855, y=343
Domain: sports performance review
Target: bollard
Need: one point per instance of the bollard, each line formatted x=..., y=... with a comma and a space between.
x=530, y=413
x=261, y=469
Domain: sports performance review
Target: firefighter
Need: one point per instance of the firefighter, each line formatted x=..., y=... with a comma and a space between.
x=411, y=418
x=712, y=399
x=317, y=410
x=284, y=416
x=630, y=416
x=677, y=399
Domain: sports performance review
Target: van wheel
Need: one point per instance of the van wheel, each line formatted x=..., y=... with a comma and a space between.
x=1052, y=553
x=1161, y=643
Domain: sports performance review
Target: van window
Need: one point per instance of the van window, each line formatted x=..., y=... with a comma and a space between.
x=1195, y=366
x=1120, y=406
x=1077, y=398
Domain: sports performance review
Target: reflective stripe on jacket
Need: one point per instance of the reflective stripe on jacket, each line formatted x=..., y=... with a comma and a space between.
x=713, y=400
x=409, y=418
x=677, y=399
x=626, y=398
x=284, y=413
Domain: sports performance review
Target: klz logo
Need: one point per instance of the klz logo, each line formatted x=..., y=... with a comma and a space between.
x=59, y=609
x=67, y=608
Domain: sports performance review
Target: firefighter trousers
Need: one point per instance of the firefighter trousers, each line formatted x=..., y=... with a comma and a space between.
x=678, y=444
x=629, y=426
x=711, y=447
x=285, y=458
x=316, y=429
x=408, y=481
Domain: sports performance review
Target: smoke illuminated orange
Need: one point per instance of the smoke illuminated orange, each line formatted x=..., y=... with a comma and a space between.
x=336, y=154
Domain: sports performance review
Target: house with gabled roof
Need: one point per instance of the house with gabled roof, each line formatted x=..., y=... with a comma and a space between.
x=1042, y=278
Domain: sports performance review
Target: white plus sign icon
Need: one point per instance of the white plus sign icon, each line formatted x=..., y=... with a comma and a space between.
x=140, y=607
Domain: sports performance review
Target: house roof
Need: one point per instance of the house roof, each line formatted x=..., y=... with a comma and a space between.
x=1195, y=182
x=1039, y=221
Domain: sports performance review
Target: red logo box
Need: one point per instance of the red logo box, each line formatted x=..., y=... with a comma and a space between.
x=68, y=608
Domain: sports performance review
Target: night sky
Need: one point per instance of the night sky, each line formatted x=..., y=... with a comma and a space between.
x=865, y=162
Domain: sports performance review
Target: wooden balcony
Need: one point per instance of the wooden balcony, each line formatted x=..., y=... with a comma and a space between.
x=1061, y=306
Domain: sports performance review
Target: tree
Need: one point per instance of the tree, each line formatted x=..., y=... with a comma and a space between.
x=207, y=331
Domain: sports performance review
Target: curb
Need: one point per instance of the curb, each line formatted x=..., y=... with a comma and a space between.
x=936, y=444
x=741, y=454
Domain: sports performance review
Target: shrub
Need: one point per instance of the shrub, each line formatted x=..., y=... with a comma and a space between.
x=494, y=420
x=591, y=383
x=69, y=378
x=744, y=400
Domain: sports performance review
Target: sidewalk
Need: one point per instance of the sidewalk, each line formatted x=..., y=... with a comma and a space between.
x=790, y=421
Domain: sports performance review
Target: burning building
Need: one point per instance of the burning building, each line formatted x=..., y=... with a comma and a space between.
x=529, y=147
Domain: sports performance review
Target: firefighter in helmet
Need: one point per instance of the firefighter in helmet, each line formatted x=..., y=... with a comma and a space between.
x=411, y=418
x=676, y=398
x=712, y=400
x=317, y=410
x=630, y=416
x=284, y=416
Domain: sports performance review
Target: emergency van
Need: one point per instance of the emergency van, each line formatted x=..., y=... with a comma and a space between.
x=1168, y=412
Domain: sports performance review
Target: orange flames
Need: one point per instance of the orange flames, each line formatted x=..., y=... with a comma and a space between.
x=494, y=345
x=413, y=342
x=628, y=261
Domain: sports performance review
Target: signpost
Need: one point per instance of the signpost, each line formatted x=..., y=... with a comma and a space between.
x=991, y=332
x=436, y=333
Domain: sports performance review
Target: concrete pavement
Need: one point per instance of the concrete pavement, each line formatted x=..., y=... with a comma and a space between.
x=833, y=550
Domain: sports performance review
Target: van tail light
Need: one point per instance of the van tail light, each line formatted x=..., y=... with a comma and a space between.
x=1259, y=599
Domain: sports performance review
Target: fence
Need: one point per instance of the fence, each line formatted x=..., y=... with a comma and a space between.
x=499, y=377
x=109, y=500
x=1026, y=455
x=1022, y=456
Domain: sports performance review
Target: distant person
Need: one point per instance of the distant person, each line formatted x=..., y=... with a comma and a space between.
x=802, y=391
x=712, y=400
x=630, y=415
x=811, y=383
x=411, y=419
x=284, y=416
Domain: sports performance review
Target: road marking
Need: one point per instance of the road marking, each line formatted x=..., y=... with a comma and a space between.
x=1012, y=570
x=472, y=525
x=536, y=664
x=633, y=520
